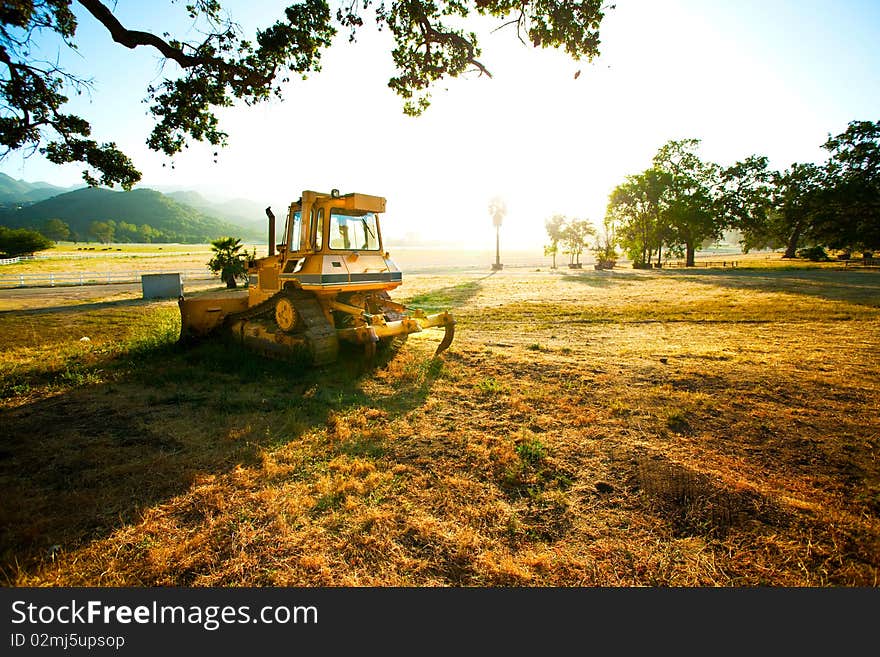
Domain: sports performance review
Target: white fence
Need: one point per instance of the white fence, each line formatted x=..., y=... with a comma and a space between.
x=93, y=253
x=16, y=259
x=53, y=279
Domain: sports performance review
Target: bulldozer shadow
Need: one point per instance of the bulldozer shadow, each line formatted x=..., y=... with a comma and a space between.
x=80, y=466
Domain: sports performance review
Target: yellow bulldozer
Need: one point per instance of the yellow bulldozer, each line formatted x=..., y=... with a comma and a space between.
x=326, y=282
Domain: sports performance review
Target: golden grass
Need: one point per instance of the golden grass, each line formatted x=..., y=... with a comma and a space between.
x=594, y=428
x=118, y=258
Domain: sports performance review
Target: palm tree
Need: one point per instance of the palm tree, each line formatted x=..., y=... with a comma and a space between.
x=497, y=209
x=228, y=261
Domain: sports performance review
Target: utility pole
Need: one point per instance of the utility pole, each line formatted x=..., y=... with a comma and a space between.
x=497, y=209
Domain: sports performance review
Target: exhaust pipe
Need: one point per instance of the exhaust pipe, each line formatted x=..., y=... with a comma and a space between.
x=271, y=231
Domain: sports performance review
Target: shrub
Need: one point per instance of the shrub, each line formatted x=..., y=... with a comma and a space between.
x=813, y=253
x=19, y=241
x=531, y=451
x=490, y=386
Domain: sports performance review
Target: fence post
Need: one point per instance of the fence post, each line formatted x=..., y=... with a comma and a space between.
x=51, y=279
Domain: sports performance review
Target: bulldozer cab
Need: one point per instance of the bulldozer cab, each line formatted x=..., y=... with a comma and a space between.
x=331, y=223
x=332, y=244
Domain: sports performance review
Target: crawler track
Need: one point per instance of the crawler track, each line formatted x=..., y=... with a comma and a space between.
x=256, y=328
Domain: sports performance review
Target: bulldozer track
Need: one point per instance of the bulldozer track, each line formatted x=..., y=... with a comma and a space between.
x=257, y=311
x=318, y=333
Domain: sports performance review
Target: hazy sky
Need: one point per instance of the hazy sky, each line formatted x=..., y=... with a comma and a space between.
x=770, y=77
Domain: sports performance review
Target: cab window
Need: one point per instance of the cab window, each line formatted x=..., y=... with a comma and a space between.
x=319, y=230
x=295, y=230
x=353, y=231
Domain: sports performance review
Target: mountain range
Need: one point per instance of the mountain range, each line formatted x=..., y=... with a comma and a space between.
x=240, y=211
x=138, y=215
x=20, y=191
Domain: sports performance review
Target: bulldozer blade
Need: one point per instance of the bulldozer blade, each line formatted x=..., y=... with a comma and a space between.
x=447, y=339
x=201, y=316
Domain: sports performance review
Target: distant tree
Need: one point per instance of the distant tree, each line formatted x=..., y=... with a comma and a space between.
x=218, y=65
x=850, y=214
x=744, y=202
x=688, y=206
x=554, y=226
x=147, y=233
x=605, y=248
x=635, y=206
x=55, y=229
x=102, y=231
x=497, y=210
x=126, y=232
x=229, y=260
x=552, y=250
x=21, y=241
x=575, y=237
x=796, y=199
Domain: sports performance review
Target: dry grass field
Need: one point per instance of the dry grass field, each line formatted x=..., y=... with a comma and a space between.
x=623, y=428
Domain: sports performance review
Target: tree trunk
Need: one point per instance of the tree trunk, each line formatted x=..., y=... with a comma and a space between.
x=231, y=282
x=689, y=254
x=793, y=239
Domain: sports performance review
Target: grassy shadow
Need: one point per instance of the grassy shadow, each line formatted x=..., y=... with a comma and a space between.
x=79, y=307
x=858, y=287
x=79, y=465
x=595, y=279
